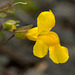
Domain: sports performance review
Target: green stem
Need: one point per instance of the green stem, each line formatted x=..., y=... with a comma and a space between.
x=19, y=3
x=7, y=40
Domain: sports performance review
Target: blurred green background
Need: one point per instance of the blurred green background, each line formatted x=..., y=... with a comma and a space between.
x=16, y=57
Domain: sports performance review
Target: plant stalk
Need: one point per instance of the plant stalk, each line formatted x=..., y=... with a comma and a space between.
x=7, y=40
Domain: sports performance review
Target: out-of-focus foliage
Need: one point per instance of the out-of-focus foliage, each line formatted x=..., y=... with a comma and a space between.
x=10, y=11
x=6, y=12
x=30, y=7
x=3, y=15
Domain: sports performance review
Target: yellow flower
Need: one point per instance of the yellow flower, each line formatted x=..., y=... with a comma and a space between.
x=46, y=39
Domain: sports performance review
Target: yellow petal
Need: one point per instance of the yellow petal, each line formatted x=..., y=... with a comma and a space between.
x=40, y=49
x=58, y=54
x=32, y=34
x=46, y=21
x=51, y=38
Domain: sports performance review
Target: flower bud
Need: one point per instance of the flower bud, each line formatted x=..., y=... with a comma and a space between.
x=21, y=33
x=10, y=25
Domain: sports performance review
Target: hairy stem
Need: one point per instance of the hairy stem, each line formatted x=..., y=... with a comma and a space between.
x=7, y=40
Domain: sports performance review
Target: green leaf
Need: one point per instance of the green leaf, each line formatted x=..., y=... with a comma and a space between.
x=3, y=15
x=2, y=35
x=10, y=11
